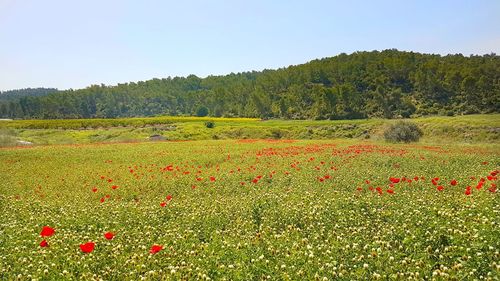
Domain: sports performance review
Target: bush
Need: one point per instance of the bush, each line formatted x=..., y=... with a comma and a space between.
x=403, y=132
x=202, y=111
x=209, y=124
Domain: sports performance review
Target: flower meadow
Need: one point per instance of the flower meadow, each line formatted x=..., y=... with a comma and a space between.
x=250, y=210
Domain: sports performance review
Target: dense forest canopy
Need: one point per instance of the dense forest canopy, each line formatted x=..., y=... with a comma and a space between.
x=388, y=84
x=28, y=92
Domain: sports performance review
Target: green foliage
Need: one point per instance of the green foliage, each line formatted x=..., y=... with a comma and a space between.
x=468, y=128
x=387, y=84
x=202, y=111
x=210, y=124
x=29, y=92
x=403, y=131
x=294, y=223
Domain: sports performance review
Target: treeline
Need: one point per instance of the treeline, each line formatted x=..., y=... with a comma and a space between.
x=28, y=92
x=388, y=84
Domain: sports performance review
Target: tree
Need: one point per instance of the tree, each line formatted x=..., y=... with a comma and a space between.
x=202, y=111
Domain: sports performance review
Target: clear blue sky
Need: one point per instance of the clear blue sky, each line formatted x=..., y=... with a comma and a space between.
x=75, y=43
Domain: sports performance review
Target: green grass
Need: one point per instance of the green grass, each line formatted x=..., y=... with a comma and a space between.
x=460, y=129
x=304, y=219
x=108, y=123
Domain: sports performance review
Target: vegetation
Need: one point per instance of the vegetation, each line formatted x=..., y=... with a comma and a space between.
x=387, y=84
x=458, y=129
x=403, y=131
x=209, y=124
x=250, y=210
x=13, y=95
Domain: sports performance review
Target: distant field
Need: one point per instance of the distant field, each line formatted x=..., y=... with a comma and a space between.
x=108, y=123
x=468, y=129
x=250, y=210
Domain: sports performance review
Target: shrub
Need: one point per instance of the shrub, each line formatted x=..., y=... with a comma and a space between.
x=403, y=132
x=209, y=124
x=202, y=111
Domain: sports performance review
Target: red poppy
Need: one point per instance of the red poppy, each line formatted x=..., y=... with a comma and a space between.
x=110, y=180
x=440, y=187
x=44, y=244
x=479, y=185
x=255, y=180
x=390, y=191
x=47, y=231
x=94, y=189
x=155, y=249
x=453, y=182
x=212, y=178
x=102, y=200
x=468, y=191
x=114, y=187
x=169, y=197
x=109, y=235
x=394, y=180
x=359, y=189
x=87, y=247
x=163, y=204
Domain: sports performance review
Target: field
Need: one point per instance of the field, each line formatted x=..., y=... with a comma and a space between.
x=464, y=129
x=251, y=210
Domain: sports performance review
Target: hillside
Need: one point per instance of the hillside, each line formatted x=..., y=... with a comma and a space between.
x=387, y=84
x=28, y=92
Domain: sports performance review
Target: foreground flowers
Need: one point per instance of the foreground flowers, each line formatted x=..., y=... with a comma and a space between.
x=87, y=247
x=109, y=235
x=155, y=249
x=47, y=231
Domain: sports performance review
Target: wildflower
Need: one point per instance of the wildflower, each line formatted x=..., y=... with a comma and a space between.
x=155, y=249
x=394, y=180
x=109, y=235
x=87, y=247
x=47, y=231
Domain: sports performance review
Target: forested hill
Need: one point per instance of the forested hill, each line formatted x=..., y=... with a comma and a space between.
x=386, y=84
x=28, y=92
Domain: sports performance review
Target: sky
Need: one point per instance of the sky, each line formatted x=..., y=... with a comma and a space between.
x=73, y=44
